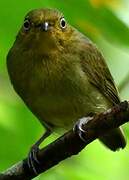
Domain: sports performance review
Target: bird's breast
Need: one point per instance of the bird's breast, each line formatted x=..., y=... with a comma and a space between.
x=57, y=94
x=57, y=98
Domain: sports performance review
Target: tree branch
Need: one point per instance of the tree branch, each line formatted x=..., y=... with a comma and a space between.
x=70, y=143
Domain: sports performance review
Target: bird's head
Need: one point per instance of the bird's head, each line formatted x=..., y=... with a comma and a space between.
x=44, y=29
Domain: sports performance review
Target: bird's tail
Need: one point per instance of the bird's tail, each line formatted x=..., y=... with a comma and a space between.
x=114, y=140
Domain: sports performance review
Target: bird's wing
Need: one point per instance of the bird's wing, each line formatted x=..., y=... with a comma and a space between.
x=98, y=74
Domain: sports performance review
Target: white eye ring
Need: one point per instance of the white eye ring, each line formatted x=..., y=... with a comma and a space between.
x=26, y=25
x=62, y=23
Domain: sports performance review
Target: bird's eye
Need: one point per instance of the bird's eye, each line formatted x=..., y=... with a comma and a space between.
x=62, y=23
x=26, y=25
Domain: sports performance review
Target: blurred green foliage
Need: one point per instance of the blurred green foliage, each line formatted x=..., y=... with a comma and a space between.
x=106, y=23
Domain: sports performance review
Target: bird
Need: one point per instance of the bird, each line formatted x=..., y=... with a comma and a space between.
x=61, y=75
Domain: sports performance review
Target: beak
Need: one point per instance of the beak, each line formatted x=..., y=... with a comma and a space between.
x=45, y=26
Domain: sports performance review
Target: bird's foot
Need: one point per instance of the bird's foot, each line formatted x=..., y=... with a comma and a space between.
x=78, y=127
x=33, y=161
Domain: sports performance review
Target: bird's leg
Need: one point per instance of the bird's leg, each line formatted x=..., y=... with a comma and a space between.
x=78, y=127
x=32, y=157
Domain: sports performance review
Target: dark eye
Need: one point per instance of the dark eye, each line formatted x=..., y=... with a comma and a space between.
x=26, y=25
x=63, y=23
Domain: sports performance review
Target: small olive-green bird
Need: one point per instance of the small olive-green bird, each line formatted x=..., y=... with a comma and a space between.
x=60, y=74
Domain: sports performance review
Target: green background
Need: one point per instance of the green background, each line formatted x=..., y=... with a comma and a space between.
x=106, y=23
